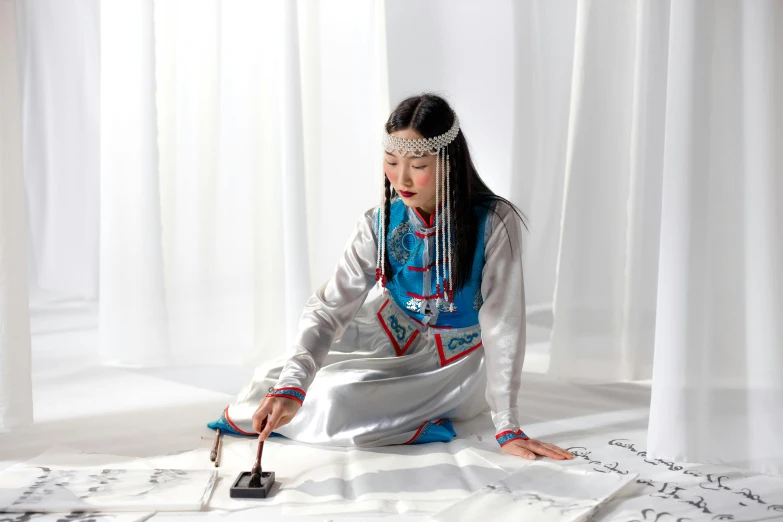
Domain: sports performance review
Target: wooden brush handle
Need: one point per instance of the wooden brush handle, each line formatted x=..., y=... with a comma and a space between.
x=213, y=453
x=257, y=465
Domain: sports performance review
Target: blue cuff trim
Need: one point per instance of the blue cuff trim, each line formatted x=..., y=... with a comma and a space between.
x=289, y=392
x=508, y=435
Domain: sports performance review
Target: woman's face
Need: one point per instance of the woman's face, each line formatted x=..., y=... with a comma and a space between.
x=409, y=174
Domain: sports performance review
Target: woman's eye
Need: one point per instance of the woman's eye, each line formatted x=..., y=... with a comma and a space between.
x=421, y=167
x=390, y=163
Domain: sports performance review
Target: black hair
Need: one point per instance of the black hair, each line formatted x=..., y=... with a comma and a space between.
x=430, y=115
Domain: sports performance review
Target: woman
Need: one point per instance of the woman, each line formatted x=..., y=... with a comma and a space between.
x=443, y=333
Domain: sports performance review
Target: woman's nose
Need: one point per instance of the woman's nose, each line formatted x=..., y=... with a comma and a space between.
x=405, y=178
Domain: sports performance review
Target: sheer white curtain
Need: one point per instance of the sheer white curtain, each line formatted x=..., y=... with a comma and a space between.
x=239, y=143
x=232, y=133
x=608, y=258
x=16, y=394
x=671, y=240
x=717, y=388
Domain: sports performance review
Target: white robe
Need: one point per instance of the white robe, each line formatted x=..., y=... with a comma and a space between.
x=359, y=392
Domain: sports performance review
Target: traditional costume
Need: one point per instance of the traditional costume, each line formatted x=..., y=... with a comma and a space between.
x=396, y=362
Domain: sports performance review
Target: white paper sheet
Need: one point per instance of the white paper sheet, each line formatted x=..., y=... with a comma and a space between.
x=74, y=517
x=402, y=507
x=320, y=480
x=665, y=491
x=308, y=474
x=541, y=491
x=63, y=457
x=49, y=490
x=691, y=491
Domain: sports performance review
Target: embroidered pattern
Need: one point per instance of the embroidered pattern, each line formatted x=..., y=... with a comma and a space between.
x=296, y=394
x=453, y=345
x=504, y=437
x=400, y=331
x=478, y=300
x=444, y=306
x=414, y=304
x=401, y=242
x=413, y=264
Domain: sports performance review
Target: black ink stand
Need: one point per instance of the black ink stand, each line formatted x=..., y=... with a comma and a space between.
x=241, y=488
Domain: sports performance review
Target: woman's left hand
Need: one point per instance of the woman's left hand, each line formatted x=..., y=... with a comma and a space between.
x=530, y=448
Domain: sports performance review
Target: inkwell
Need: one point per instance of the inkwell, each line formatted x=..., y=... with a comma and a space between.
x=255, y=483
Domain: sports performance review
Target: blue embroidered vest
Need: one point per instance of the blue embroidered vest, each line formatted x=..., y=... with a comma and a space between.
x=410, y=247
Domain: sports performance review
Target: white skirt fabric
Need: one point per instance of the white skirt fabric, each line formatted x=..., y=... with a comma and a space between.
x=387, y=380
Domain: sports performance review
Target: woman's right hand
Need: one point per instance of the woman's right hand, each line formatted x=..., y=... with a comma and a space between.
x=280, y=411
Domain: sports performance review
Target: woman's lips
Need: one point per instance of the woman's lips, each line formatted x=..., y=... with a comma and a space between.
x=407, y=194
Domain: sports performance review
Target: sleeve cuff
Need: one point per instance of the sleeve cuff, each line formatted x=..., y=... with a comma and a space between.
x=504, y=437
x=288, y=392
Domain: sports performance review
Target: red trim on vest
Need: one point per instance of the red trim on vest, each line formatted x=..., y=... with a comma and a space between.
x=417, y=296
x=431, y=222
x=425, y=268
x=442, y=354
x=400, y=351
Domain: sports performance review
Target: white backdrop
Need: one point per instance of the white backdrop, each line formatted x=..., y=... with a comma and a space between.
x=717, y=391
x=16, y=393
x=640, y=138
x=240, y=157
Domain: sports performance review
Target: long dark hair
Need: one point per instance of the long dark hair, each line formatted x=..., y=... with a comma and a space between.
x=430, y=115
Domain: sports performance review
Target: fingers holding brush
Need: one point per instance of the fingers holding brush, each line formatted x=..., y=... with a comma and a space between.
x=279, y=411
x=261, y=413
x=270, y=424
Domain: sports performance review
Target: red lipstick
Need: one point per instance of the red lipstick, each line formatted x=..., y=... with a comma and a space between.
x=407, y=194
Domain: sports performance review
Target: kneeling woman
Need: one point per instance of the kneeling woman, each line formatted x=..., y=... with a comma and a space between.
x=440, y=336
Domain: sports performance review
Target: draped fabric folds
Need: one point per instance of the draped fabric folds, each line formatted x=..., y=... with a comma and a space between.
x=218, y=138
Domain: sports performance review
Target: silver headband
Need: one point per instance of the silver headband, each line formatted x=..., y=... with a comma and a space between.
x=422, y=145
x=435, y=146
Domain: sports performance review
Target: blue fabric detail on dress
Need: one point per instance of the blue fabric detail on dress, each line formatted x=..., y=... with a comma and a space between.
x=432, y=432
x=406, y=249
x=293, y=393
x=510, y=436
x=226, y=428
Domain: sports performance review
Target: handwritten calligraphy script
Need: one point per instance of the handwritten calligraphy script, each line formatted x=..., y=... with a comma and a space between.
x=543, y=501
x=679, y=493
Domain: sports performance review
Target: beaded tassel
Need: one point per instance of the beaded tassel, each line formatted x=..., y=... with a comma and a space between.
x=437, y=227
x=444, y=199
x=423, y=146
x=380, y=266
x=448, y=232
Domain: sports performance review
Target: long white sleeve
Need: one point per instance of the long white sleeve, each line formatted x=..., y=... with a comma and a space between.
x=503, y=322
x=331, y=308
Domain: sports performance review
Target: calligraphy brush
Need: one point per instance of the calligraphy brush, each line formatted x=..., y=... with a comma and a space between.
x=255, y=477
x=219, y=450
x=213, y=453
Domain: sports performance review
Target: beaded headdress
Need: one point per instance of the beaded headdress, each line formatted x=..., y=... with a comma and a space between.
x=435, y=146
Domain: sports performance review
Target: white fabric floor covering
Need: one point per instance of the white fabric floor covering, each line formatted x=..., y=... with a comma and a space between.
x=159, y=416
